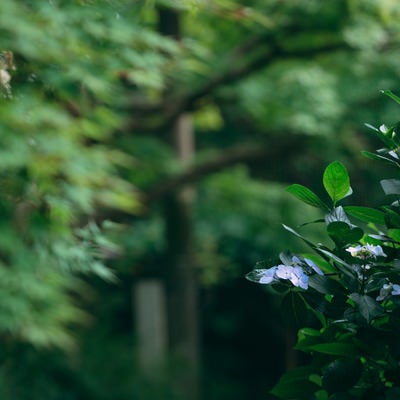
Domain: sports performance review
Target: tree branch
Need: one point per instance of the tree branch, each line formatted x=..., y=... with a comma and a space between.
x=272, y=152
x=193, y=174
x=277, y=148
x=156, y=118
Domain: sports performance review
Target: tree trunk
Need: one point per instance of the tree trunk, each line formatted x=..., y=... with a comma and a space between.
x=180, y=272
x=181, y=286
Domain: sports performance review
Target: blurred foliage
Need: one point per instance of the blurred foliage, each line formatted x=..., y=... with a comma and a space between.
x=77, y=137
x=58, y=164
x=240, y=225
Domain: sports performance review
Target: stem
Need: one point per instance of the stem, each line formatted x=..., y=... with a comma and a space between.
x=364, y=278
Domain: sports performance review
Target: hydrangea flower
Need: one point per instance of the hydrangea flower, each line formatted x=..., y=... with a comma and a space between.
x=313, y=266
x=266, y=275
x=297, y=273
x=299, y=278
x=388, y=289
x=284, y=271
x=396, y=290
x=366, y=251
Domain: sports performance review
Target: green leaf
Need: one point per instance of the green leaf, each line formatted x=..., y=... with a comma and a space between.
x=367, y=306
x=291, y=230
x=323, y=253
x=307, y=196
x=334, y=348
x=374, y=128
x=325, y=285
x=392, y=218
x=321, y=395
x=343, y=396
x=336, y=215
x=321, y=262
x=294, y=310
x=378, y=157
x=340, y=263
x=394, y=235
x=387, y=135
x=307, y=337
x=391, y=186
x=341, y=375
x=390, y=94
x=295, y=384
x=342, y=233
x=336, y=181
x=366, y=214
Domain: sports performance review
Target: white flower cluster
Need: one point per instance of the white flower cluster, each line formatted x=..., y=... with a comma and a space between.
x=366, y=252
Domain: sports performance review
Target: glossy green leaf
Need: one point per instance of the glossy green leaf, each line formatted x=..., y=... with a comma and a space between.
x=325, y=285
x=322, y=263
x=336, y=181
x=366, y=214
x=307, y=196
x=295, y=384
x=342, y=233
x=368, y=307
x=341, y=264
x=341, y=374
x=335, y=349
x=378, y=157
x=394, y=235
x=392, y=217
x=337, y=214
x=307, y=337
x=374, y=128
x=390, y=94
x=386, y=135
x=321, y=395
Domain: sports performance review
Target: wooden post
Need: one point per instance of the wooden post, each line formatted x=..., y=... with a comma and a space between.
x=151, y=327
